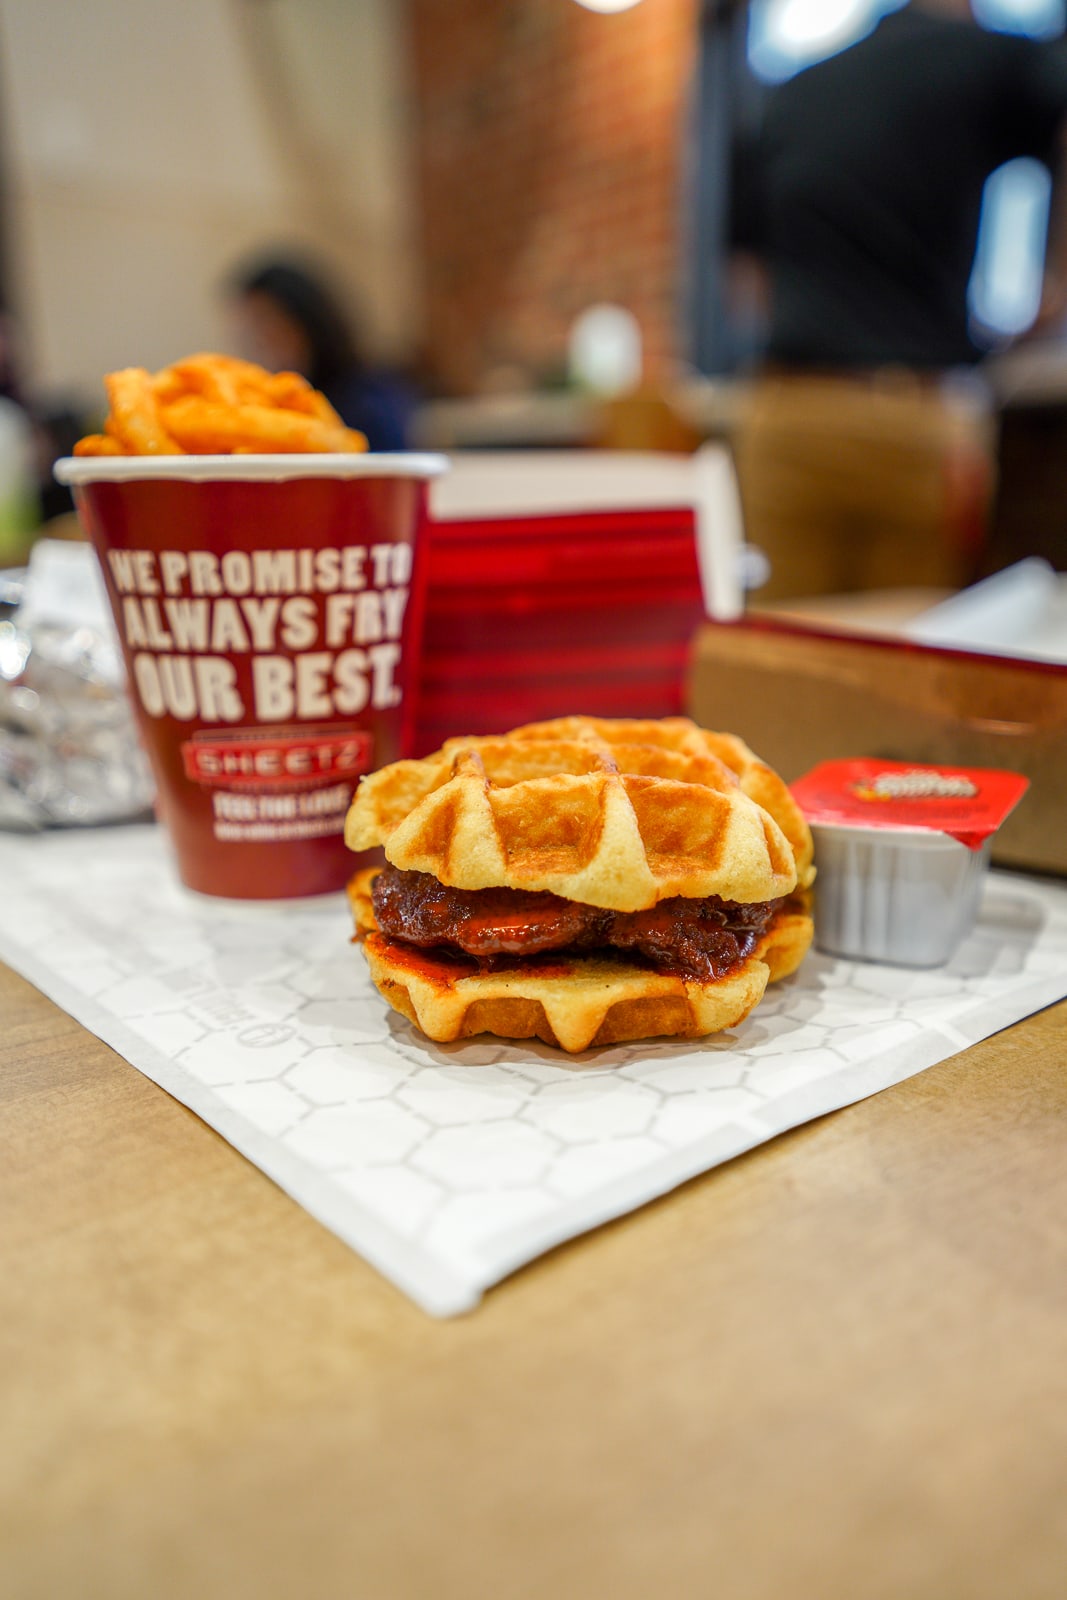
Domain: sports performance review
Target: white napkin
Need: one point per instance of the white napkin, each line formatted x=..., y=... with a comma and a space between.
x=1021, y=611
x=448, y=1166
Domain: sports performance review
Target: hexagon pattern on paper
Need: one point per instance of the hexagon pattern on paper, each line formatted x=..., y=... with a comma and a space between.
x=448, y=1165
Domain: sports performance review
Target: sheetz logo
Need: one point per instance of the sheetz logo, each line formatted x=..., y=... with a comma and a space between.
x=251, y=760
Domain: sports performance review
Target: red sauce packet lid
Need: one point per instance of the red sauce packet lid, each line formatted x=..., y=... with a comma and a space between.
x=967, y=803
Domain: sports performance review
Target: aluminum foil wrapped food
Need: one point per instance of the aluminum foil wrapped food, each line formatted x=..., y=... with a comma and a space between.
x=69, y=751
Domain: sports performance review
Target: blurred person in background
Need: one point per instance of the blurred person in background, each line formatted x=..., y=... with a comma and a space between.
x=289, y=320
x=862, y=199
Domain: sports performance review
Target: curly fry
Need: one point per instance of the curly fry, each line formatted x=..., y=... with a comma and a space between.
x=292, y=392
x=135, y=415
x=98, y=444
x=205, y=428
x=217, y=405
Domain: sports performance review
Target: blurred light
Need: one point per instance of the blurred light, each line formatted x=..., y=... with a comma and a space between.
x=803, y=23
x=604, y=350
x=786, y=35
x=607, y=6
x=1005, y=288
x=1038, y=19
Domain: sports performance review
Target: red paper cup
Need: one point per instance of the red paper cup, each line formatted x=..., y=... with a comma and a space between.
x=262, y=605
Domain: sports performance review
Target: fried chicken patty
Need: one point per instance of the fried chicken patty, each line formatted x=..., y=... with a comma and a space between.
x=694, y=938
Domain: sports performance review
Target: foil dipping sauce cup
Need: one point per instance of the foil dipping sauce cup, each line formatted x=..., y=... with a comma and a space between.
x=901, y=851
x=269, y=620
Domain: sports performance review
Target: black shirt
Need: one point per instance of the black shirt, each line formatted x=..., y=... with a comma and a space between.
x=868, y=186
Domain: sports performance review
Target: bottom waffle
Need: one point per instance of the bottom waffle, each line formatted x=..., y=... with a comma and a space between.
x=570, y=1001
x=788, y=939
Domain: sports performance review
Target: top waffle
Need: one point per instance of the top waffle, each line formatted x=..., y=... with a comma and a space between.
x=615, y=814
x=759, y=781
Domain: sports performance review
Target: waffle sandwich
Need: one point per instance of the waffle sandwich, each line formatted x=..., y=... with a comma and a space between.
x=581, y=881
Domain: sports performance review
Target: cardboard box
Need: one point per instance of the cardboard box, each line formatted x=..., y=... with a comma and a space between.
x=800, y=694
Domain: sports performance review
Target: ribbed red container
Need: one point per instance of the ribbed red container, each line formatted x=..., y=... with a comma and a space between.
x=528, y=618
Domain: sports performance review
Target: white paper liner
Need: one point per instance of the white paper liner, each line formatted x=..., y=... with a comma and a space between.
x=448, y=1166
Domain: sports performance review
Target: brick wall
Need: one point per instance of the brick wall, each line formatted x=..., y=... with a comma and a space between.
x=550, y=149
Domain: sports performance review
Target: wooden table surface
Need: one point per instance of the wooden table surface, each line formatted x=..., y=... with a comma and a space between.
x=836, y=1367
